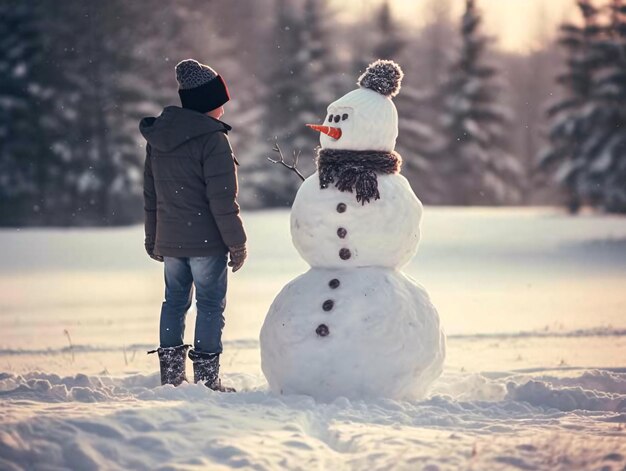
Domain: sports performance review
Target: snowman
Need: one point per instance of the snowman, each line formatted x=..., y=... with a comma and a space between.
x=354, y=325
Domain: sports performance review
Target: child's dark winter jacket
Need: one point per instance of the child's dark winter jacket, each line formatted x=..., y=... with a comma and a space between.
x=190, y=185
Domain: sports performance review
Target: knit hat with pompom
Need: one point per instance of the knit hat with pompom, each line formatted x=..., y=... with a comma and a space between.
x=369, y=119
x=200, y=88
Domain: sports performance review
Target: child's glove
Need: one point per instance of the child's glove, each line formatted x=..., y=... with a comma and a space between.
x=149, y=245
x=238, y=255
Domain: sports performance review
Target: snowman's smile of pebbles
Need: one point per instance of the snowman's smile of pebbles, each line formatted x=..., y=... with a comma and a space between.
x=334, y=117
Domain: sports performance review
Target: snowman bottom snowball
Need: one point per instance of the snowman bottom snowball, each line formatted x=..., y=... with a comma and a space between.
x=372, y=332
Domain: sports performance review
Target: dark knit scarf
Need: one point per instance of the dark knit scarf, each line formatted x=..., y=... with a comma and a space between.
x=356, y=170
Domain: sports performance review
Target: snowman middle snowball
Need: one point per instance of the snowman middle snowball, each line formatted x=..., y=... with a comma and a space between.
x=353, y=325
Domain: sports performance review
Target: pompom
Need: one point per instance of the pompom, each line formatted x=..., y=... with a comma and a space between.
x=382, y=76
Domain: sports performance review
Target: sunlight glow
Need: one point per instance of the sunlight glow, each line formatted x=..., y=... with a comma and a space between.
x=517, y=25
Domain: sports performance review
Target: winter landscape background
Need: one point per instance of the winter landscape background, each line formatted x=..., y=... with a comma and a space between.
x=512, y=132
x=533, y=120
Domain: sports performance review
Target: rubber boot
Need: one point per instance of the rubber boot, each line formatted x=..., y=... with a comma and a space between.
x=172, y=363
x=206, y=368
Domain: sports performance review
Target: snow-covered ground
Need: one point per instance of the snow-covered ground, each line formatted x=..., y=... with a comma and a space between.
x=533, y=300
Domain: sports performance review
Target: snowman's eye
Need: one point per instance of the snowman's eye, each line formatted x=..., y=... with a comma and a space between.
x=330, y=117
x=337, y=118
x=344, y=116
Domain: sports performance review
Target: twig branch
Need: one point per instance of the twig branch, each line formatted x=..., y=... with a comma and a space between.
x=69, y=341
x=293, y=166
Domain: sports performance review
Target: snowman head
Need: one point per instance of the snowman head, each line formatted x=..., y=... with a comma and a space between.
x=365, y=118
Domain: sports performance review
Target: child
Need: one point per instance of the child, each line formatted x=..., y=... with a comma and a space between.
x=192, y=219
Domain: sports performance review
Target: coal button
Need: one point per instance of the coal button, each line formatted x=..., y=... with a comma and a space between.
x=322, y=330
x=345, y=254
x=341, y=208
x=334, y=283
x=328, y=305
x=341, y=232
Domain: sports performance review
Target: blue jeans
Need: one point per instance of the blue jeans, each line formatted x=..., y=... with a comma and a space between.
x=209, y=275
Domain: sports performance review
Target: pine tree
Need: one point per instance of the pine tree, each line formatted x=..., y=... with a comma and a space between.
x=415, y=137
x=321, y=67
x=17, y=36
x=283, y=106
x=569, y=138
x=103, y=100
x=424, y=59
x=605, y=181
x=384, y=39
x=71, y=147
x=417, y=143
x=289, y=93
x=390, y=41
x=27, y=163
x=531, y=86
x=436, y=38
x=476, y=167
x=301, y=84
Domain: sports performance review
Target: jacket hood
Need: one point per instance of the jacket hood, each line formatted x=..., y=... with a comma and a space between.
x=176, y=125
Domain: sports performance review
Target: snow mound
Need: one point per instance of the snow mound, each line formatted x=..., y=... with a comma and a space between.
x=488, y=421
x=46, y=387
x=543, y=394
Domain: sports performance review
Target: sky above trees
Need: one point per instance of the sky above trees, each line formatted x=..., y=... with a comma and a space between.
x=518, y=25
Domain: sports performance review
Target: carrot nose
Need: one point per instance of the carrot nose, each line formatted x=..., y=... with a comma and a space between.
x=335, y=133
